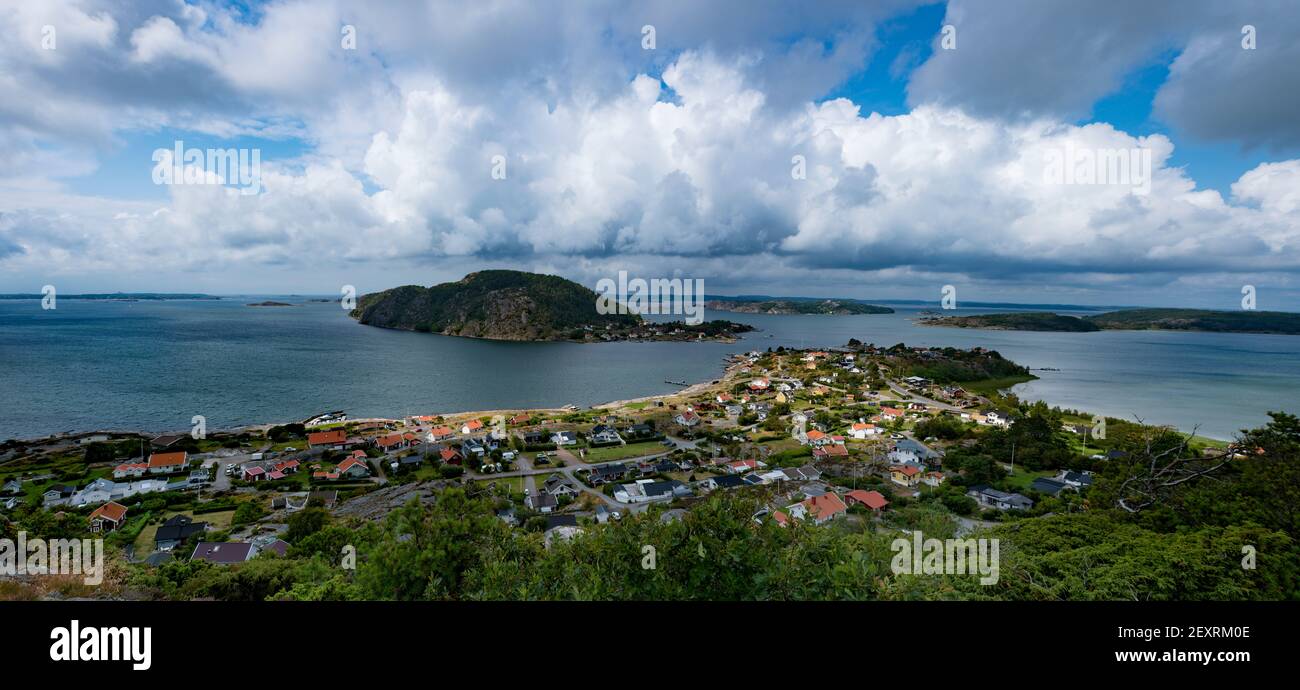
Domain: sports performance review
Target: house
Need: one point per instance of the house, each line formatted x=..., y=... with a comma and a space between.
x=862, y=430
x=933, y=478
x=541, y=502
x=891, y=414
x=818, y=438
x=687, y=418
x=742, y=466
x=327, y=439
x=1077, y=480
x=253, y=473
x=759, y=384
x=564, y=438
x=130, y=469
x=450, y=456
x=556, y=486
x=833, y=450
x=873, y=500
x=905, y=475
x=222, y=552
x=995, y=418
x=602, y=474
x=820, y=509
x=11, y=502
x=646, y=490
x=353, y=467
x=1051, y=487
x=164, y=463
x=107, y=517
x=391, y=442
x=807, y=473
x=723, y=398
x=602, y=434
x=471, y=426
x=992, y=498
x=439, y=433
x=522, y=419
x=13, y=486
x=57, y=494
x=640, y=431
x=175, y=531
x=726, y=481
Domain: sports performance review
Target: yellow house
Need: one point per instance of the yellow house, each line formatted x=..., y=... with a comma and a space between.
x=905, y=475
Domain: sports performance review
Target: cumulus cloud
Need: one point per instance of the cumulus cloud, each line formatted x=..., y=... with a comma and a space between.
x=678, y=161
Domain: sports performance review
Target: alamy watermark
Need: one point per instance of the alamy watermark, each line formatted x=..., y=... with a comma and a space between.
x=1082, y=165
x=654, y=296
x=920, y=556
x=239, y=168
x=38, y=556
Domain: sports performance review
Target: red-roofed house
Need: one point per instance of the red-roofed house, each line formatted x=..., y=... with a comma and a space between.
x=329, y=439
x=107, y=517
x=824, y=508
x=871, y=499
x=439, y=433
x=818, y=438
x=391, y=442
x=163, y=463
x=471, y=426
x=134, y=469
x=905, y=475
x=253, y=473
x=833, y=450
x=891, y=413
x=863, y=430
x=352, y=467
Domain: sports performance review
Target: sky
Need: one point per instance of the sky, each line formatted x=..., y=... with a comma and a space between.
x=853, y=149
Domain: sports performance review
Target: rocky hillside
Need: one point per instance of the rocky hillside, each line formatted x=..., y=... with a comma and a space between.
x=498, y=305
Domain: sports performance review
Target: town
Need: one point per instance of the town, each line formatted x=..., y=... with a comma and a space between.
x=846, y=435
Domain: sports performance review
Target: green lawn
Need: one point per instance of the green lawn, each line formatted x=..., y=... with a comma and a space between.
x=630, y=450
x=1022, y=479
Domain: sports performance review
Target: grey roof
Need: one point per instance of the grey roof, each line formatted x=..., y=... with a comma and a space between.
x=1050, y=487
x=222, y=552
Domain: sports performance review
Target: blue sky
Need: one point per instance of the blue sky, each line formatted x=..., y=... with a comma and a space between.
x=923, y=167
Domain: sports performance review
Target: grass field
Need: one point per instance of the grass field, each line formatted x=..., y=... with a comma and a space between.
x=990, y=386
x=630, y=450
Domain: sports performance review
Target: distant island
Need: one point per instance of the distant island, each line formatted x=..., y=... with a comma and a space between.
x=789, y=306
x=1131, y=319
x=516, y=305
x=269, y=304
x=118, y=296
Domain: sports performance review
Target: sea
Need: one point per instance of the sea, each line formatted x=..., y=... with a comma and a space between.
x=152, y=365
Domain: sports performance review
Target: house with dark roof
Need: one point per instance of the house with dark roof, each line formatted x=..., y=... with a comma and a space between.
x=724, y=481
x=176, y=530
x=601, y=474
x=223, y=552
x=1001, y=500
x=1051, y=487
x=541, y=502
x=1078, y=480
x=556, y=486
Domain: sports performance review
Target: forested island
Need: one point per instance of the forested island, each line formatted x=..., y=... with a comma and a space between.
x=786, y=306
x=1131, y=319
x=516, y=305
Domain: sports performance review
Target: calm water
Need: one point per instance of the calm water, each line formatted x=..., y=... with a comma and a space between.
x=153, y=365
